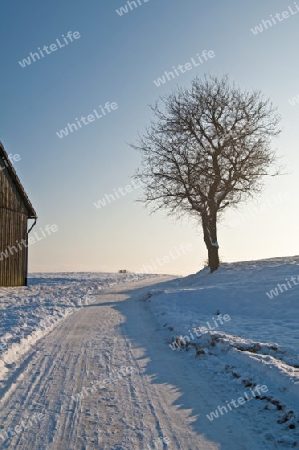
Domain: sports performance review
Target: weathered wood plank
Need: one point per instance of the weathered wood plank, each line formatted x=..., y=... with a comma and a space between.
x=13, y=228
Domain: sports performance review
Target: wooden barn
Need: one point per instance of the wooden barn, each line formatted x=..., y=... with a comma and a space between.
x=15, y=211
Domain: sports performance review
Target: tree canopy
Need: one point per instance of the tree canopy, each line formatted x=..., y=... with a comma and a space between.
x=207, y=148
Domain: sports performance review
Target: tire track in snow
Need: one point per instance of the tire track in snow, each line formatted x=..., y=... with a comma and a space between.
x=116, y=331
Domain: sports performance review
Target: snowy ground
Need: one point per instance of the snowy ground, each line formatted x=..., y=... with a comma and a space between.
x=29, y=313
x=257, y=344
x=101, y=361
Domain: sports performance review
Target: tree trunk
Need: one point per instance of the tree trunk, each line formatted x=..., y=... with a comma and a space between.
x=210, y=238
x=213, y=253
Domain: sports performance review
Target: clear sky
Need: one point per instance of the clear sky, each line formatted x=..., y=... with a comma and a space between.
x=115, y=59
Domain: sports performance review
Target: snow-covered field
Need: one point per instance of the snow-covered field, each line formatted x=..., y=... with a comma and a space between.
x=213, y=360
x=244, y=338
x=29, y=313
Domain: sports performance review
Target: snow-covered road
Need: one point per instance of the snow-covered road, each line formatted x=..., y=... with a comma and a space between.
x=152, y=394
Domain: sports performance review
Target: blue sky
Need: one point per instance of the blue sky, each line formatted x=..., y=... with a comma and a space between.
x=116, y=59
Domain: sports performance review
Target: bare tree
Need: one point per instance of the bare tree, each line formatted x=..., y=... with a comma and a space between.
x=208, y=148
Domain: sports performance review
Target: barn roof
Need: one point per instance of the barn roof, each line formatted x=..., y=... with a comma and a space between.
x=3, y=155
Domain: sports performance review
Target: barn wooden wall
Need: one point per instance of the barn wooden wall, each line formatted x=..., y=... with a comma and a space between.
x=13, y=228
